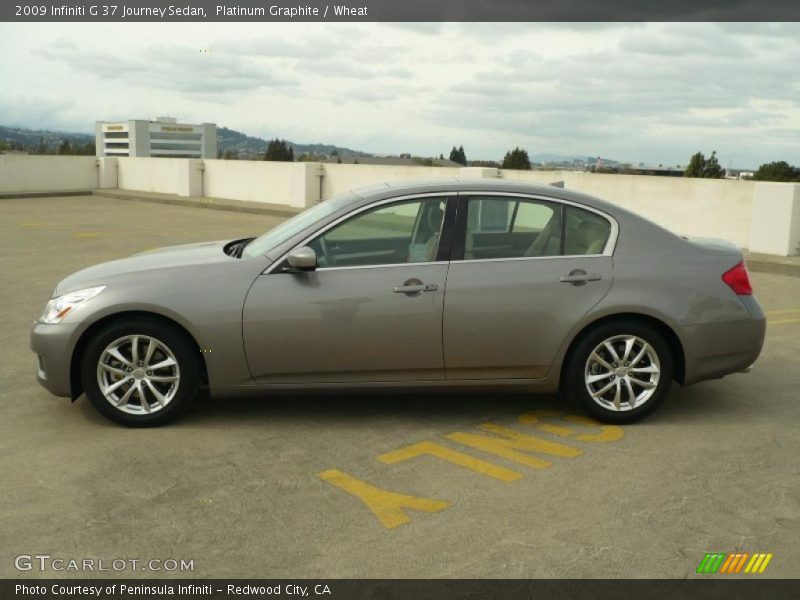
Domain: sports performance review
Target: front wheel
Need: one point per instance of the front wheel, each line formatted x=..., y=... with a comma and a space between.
x=140, y=372
x=620, y=372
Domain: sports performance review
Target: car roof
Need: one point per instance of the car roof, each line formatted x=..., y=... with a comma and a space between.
x=474, y=184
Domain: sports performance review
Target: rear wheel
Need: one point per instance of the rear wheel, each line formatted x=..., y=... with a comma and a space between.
x=140, y=372
x=620, y=371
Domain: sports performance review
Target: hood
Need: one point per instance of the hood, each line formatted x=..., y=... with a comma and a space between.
x=159, y=259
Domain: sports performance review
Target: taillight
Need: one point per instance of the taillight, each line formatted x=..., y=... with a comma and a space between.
x=738, y=280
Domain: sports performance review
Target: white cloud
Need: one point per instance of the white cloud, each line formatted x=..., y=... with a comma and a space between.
x=645, y=92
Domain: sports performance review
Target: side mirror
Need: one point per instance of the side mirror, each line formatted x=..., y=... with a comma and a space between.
x=302, y=259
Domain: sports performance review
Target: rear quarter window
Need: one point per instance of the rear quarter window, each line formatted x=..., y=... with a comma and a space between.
x=585, y=232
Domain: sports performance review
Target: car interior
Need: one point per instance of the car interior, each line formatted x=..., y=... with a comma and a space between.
x=518, y=228
x=393, y=234
x=497, y=227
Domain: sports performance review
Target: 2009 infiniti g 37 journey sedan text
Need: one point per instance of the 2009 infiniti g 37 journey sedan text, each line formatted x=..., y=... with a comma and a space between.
x=455, y=283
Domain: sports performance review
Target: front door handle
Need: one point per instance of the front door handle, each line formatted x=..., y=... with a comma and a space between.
x=415, y=286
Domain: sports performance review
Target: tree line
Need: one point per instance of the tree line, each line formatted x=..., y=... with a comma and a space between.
x=64, y=147
x=518, y=159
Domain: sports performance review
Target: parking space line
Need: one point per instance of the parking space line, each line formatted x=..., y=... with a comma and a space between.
x=388, y=506
x=91, y=234
x=458, y=458
x=782, y=311
x=782, y=321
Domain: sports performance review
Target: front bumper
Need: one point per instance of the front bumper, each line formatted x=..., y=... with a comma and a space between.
x=53, y=345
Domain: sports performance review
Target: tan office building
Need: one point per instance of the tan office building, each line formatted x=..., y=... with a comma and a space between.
x=163, y=137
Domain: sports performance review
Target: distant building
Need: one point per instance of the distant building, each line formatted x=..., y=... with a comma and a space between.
x=399, y=161
x=660, y=170
x=164, y=137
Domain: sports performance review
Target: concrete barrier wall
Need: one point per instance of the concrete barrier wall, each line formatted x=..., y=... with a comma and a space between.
x=295, y=184
x=24, y=173
x=764, y=217
x=341, y=178
x=163, y=175
x=719, y=208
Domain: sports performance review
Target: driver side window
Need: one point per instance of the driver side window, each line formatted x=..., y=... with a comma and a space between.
x=401, y=232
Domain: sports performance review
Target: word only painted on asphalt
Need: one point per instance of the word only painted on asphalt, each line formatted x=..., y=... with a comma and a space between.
x=391, y=507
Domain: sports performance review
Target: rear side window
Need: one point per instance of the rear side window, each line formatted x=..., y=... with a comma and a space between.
x=584, y=232
x=502, y=227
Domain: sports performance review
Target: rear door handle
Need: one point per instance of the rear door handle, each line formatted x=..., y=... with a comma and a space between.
x=415, y=288
x=580, y=277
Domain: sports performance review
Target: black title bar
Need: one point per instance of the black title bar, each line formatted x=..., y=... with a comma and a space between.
x=396, y=10
x=718, y=588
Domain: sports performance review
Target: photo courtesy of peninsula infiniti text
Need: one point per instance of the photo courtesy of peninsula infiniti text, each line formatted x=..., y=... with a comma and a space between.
x=472, y=284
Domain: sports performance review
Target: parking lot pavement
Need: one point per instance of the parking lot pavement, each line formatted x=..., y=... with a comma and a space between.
x=380, y=486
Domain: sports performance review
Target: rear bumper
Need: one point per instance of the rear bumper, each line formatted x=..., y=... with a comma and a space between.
x=53, y=345
x=713, y=350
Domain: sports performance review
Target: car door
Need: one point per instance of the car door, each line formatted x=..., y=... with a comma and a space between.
x=370, y=312
x=524, y=272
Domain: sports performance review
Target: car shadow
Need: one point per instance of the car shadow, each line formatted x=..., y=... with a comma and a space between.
x=701, y=402
x=409, y=407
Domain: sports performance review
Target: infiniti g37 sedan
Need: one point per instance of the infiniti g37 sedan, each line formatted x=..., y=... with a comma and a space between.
x=430, y=285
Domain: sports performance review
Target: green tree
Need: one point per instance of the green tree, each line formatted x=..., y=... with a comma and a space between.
x=695, y=166
x=228, y=155
x=712, y=168
x=708, y=168
x=777, y=171
x=87, y=149
x=279, y=150
x=517, y=159
x=65, y=148
x=42, y=148
x=458, y=155
x=3, y=146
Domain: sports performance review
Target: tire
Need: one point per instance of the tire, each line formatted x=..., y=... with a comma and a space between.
x=113, y=382
x=593, y=365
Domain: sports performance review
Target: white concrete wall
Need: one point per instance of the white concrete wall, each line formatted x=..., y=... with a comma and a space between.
x=776, y=219
x=295, y=184
x=25, y=173
x=719, y=208
x=764, y=217
x=162, y=175
x=341, y=178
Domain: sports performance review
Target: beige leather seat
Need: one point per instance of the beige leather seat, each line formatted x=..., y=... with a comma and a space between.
x=547, y=243
x=434, y=223
x=588, y=238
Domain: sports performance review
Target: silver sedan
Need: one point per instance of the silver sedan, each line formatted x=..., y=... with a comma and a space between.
x=472, y=284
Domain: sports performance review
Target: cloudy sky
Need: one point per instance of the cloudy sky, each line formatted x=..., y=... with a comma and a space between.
x=654, y=93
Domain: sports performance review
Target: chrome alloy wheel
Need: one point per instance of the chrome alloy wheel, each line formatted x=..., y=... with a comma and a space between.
x=622, y=373
x=138, y=374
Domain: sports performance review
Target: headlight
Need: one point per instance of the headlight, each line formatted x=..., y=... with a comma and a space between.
x=60, y=307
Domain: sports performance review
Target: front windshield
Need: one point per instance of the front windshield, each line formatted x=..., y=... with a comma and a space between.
x=277, y=235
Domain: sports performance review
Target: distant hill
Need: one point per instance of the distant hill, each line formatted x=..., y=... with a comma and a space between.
x=230, y=139
x=31, y=139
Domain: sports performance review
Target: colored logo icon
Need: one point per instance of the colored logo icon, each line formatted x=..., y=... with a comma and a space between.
x=733, y=562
